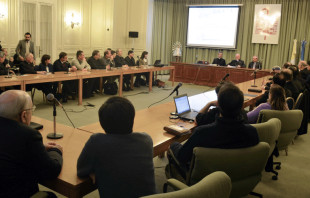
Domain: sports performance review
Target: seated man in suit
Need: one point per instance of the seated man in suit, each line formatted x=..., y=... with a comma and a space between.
x=287, y=75
x=27, y=67
x=228, y=131
x=130, y=61
x=24, y=47
x=69, y=86
x=255, y=64
x=24, y=159
x=119, y=59
x=303, y=69
x=95, y=61
x=219, y=60
x=3, y=65
x=237, y=62
x=120, y=161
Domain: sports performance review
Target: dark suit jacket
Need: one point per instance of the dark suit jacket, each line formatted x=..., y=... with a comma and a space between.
x=130, y=61
x=223, y=133
x=219, y=61
x=257, y=66
x=96, y=64
x=119, y=61
x=24, y=160
x=21, y=48
x=26, y=68
x=58, y=66
x=236, y=63
x=42, y=67
x=304, y=73
x=3, y=69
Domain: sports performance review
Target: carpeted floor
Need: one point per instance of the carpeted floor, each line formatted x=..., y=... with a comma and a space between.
x=294, y=177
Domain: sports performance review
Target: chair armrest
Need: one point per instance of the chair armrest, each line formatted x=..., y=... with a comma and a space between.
x=40, y=194
x=173, y=157
x=176, y=185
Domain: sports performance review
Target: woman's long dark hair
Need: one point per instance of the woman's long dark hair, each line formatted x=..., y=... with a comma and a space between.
x=44, y=58
x=143, y=54
x=278, y=98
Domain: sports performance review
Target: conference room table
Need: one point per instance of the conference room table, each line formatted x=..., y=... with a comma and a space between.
x=150, y=120
x=24, y=80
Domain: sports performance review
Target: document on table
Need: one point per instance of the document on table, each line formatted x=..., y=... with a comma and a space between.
x=197, y=102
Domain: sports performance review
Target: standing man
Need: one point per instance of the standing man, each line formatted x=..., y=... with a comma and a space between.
x=255, y=64
x=24, y=159
x=237, y=62
x=219, y=60
x=24, y=47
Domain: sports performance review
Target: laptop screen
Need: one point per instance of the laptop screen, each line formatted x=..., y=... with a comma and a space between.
x=182, y=104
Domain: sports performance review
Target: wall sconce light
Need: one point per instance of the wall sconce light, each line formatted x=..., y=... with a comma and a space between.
x=3, y=10
x=72, y=19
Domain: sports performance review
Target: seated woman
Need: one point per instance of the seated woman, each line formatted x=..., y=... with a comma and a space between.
x=143, y=62
x=276, y=101
x=47, y=67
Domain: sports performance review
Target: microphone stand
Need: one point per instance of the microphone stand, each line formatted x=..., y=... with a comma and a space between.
x=8, y=76
x=54, y=135
x=254, y=79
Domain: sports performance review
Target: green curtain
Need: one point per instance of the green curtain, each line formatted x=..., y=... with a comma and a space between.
x=170, y=25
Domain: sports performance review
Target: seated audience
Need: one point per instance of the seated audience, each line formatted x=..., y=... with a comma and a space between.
x=27, y=67
x=69, y=86
x=219, y=61
x=113, y=55
x=120, y=161
x=81, y=64
x=119, y=60
x=237, y=62
x=286, y=65
x=228, y=131
x=287, y=75
x=130, y=61
x=255, y=64
x=275, y=80
x=143, y=61
x=303, y=69
x=24, y=159
x=297, y=80
x=6, y=60
x=95, y=61
x=3, y=66
x=208, y=115
x=276, y=101
x=46, y=66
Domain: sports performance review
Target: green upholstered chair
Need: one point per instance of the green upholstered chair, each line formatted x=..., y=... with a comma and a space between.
x=269, y=132
x=298, y=101
x=290, y=123
x=215, y=185
x=244, y=166
x=40, y=194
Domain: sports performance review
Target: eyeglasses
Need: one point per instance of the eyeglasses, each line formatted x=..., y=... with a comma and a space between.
x=32, y=108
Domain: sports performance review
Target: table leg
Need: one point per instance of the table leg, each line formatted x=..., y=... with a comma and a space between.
x=23, y=86
x=150, y=80
x=173, y=73
x=80, y=91
x=131, y=81
x=100, y=84
x=59, y=87
x=120, y=89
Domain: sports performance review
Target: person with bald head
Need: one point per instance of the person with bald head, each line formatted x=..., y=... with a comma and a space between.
x=237, y=62
x=24, y=159
x=303, y=69
x=255, y=64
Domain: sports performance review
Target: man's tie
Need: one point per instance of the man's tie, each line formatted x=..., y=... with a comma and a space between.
x=254, y=65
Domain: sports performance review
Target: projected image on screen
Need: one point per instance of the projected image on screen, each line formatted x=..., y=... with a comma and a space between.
x=212, y=26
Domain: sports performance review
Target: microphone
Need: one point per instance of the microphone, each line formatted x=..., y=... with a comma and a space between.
x=176, y=89
x=223, y=79
x=50, y=97
x=254, y=72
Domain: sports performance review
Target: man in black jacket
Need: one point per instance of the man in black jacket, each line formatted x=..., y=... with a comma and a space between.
x=255, y=64
x=237, y=62
x=228, y=131
x=69, y=87
x=24, y=159
x=219, y=60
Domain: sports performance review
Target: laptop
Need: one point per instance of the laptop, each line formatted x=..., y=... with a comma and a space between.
x=158, y=63
x=183, y=109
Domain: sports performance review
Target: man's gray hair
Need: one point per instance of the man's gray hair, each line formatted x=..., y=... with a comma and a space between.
x=13, y=102
x=2, y=54
x=28, y=54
